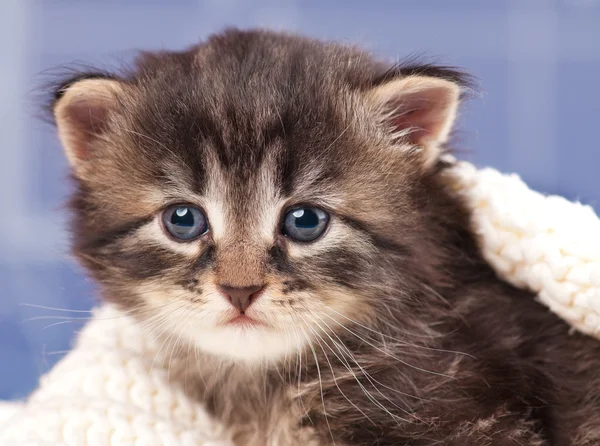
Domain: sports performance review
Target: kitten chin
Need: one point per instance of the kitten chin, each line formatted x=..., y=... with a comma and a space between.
x=277, y=212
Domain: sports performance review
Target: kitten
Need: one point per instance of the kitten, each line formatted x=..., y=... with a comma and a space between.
x=278, y=211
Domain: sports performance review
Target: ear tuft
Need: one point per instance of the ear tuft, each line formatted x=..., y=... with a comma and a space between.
x=81, y=111
x=418, y=110
x=63, y=86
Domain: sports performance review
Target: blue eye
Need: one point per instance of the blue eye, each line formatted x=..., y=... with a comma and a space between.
x=184, y=222
x=305, y=224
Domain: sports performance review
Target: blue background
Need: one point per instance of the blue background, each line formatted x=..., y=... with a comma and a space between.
x=538, y=63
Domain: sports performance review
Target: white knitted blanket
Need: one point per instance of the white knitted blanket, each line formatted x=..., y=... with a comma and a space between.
x=110, y=390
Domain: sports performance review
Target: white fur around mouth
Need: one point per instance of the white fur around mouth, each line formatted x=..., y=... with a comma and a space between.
x=252, y=343
x=244, y=321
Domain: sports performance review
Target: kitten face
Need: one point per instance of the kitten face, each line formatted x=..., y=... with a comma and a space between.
x=244, y=247
x=233, y=135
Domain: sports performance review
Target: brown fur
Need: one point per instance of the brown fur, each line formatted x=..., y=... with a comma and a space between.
x=413, y=340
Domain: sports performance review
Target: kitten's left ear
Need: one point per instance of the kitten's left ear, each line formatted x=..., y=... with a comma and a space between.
x=81, y=110
x=420, y=110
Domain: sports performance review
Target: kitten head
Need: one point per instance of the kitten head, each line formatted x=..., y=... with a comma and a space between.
x=259, y=190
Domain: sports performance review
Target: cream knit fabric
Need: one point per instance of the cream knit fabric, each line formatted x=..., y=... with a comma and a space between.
x=111, y=390
x=548, y=245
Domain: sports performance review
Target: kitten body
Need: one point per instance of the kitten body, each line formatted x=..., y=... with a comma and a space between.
x=389, y=328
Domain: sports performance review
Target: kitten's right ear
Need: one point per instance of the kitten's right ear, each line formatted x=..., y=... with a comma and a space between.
x=81, y=110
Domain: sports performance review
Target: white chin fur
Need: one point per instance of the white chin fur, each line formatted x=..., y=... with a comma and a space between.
x=251, y=344
x=242, y=343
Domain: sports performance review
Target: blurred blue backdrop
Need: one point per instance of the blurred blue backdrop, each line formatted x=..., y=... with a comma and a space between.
x=538, y=62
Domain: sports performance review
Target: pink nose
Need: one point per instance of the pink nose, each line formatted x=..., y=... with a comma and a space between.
x=241, y=298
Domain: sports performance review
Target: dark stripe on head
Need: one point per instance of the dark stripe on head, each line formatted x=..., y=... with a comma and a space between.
x=290, y=286
x=143, y=264
x=341, y=266
x=279, y=259
x=375, y=239
x=206, y=258
x=115, y=235
x=287, y=171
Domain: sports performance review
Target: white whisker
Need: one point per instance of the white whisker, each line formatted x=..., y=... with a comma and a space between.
x=44, y=307
x=387, y=353
x=320, y=384
x=339, y=346
x=367, y=375
x=334, y=377
x=400, y=341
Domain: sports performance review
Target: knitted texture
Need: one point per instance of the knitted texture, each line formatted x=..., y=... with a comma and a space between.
x=546, y=244
x=112, y=388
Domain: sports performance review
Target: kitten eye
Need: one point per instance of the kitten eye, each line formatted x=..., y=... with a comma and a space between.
x=184, y=222
x=305, y=224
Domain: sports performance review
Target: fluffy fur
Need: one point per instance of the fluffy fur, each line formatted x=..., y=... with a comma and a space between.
x=389, y=330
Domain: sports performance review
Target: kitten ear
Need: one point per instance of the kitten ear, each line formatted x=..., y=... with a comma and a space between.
x=81, y=111
x=418, y=109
